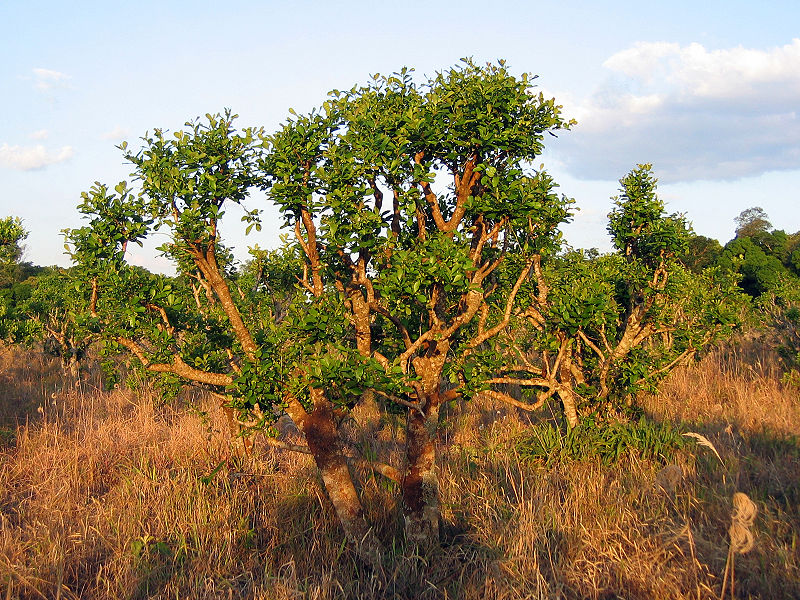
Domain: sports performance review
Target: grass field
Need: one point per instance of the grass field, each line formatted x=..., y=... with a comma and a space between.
x=113, y=495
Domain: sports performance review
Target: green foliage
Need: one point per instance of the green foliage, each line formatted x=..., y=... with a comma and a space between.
x=781, y=310
x=638, y=226
x=600, y=328
x=12, y=233
x=763, y=257
x=551, y=444
x=114, y=220
x=269, y=280
x=41, y=305
x=187, y=177
x=760, y=272
x=414, y=259
x=701, y=253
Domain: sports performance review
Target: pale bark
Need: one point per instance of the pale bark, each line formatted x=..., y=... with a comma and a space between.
x=322, y=437
x=567, y=397
x=420, y=486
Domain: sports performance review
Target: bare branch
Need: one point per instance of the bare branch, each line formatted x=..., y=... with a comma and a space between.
x=387, y=471
x=286, y=446
x=93, y=300
x=541, y=283
x=170, y=329
x=507, y=313
x=541, y=382
x=591, y=344
x=398, y=400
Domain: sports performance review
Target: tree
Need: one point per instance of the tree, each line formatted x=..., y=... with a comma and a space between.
x=54, y=313
x=14, y=287
x=399, y=272
x=759, y=271
x=752, y=221
x=12, y=234
x=601, y=328
x=412, y=265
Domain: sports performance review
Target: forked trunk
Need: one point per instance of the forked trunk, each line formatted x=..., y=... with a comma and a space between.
x=420, y=484
x=322, y=437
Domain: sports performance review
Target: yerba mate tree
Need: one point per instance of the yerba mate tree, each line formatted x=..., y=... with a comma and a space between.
x=405, y=200
x=200, y=327
x=597, y=329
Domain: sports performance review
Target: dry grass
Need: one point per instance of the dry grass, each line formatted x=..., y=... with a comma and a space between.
x=110, y=495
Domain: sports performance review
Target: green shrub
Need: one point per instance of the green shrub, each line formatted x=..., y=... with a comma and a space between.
x=551, y=444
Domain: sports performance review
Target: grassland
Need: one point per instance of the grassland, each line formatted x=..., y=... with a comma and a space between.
x=115, y=495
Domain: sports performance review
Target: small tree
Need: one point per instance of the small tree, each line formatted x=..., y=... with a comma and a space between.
x=406, y=260
x=12, y=234
x=701, y=252
x=55, y=313
x=601, y=328
x=759, y=272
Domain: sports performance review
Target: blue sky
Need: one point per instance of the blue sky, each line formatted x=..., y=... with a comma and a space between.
x=707, y=91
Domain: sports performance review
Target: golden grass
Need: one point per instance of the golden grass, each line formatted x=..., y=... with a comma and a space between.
x=110, y=495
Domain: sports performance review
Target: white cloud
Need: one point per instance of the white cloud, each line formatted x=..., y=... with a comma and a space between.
x=32, y=157
x=47, y=79
x=118, y=133
x=695, y=113
x=39, y=135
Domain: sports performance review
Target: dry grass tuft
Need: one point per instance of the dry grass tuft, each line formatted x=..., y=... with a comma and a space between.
x=113, y=495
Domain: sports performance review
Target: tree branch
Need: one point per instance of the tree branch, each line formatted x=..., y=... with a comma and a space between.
x=507, y=313
x=170, y=329
x=176, y=367
x=513, y=402
x=591, y=344
x=398, y=400
x=395, y=321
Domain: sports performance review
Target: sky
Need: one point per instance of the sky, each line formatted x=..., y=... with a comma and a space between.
x=708, y=92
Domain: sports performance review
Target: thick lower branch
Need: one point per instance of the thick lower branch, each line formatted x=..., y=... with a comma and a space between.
x=503, y=397
x=177, y=367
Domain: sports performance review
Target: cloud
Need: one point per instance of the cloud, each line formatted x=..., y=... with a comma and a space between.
x=47, y=79
x=39, y=135
x=118, y=133
x=694, y=113
x=32, y=157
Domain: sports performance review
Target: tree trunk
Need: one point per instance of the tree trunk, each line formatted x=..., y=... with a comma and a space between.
x=566, y=391
x=567, y=397
x=420, y=484
x=74, y=367
x=322, y=437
